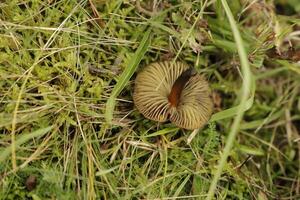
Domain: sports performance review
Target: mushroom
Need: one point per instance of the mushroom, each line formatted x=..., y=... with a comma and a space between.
x=174, y=91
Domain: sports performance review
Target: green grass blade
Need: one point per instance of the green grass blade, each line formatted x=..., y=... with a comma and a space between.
x=255, y=151
x=126, y=75
x=162, y=132
x=181, y=186
x=231, y=112
x=103, y=172
x=247, y=76
x=22, y=139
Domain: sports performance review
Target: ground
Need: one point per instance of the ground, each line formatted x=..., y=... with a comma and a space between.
x=68, y=125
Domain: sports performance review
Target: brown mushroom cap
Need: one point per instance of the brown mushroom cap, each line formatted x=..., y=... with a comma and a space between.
x=153, y=86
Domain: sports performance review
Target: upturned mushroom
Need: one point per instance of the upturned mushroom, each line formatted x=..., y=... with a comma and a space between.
x=174, y=91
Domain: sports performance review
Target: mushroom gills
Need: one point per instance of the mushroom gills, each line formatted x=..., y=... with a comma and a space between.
x=173, y=91
x=178, y=86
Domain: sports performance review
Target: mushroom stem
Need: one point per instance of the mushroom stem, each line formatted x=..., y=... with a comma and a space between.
x=174, y=96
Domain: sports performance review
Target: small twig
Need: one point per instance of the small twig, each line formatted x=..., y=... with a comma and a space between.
x=99, y=21
x=193, y=134
x=243, y=163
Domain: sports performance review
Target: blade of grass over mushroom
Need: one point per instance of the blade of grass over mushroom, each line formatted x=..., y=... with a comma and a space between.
x=22, y=139
x=125, y=76
x=247, y=76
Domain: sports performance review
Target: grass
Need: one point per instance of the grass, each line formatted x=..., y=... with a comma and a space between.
x=244, y=95
x=68, y=126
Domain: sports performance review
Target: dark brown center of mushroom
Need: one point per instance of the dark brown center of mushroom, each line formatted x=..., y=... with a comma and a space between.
x=174, y=96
